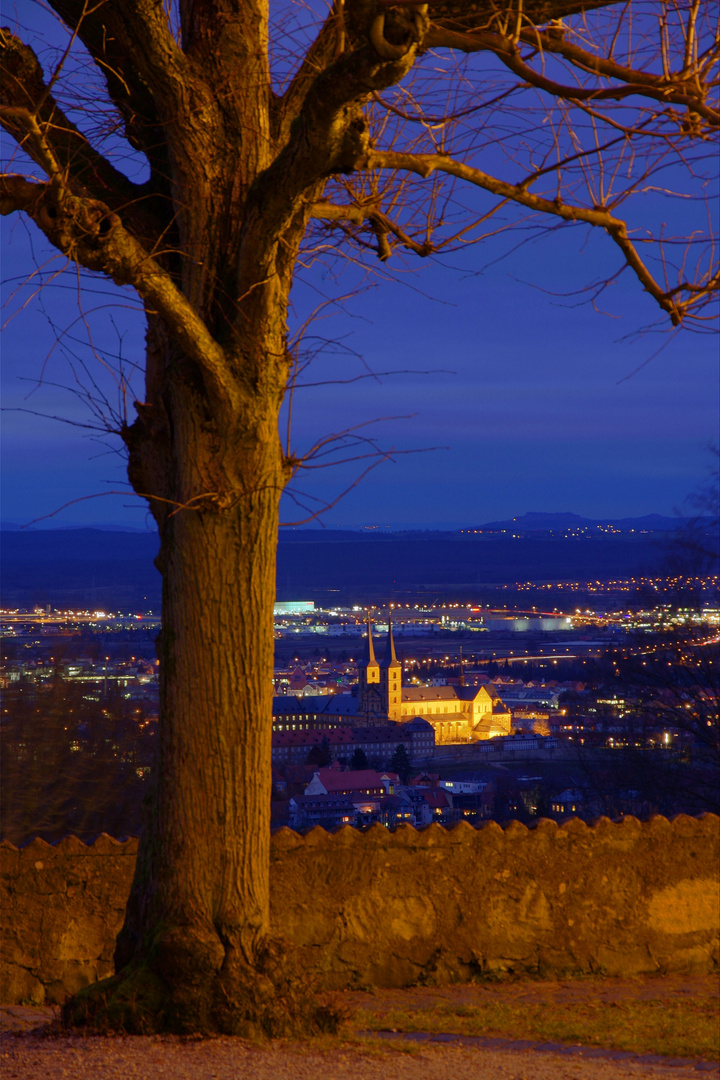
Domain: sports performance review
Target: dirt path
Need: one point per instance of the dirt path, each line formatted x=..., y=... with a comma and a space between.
x=26, y=1053
x=27, y=1057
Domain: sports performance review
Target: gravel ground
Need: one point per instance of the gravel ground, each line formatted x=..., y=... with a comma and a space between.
x=28, y=1052
x=27, y=1057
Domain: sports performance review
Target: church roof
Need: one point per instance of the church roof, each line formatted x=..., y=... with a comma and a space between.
x=430, y=693
x=449, y=693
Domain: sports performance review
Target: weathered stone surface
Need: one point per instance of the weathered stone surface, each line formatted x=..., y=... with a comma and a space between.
x=60, y=908
x=391, y=909
x=685, y=907
x=18, y=986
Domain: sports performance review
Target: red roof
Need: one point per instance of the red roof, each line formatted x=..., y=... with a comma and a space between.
x=436, y=800
x=422, y=779
x=353, y=779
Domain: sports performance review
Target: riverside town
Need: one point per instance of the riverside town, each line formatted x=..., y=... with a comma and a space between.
x=597, y=699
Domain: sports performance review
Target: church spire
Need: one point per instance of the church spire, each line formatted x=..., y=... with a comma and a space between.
x=370, y=705
x=391, y=677
x=390, y=659
x=369, y=647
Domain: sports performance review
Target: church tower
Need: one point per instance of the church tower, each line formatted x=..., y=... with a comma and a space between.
x=391, y=679
x=371, y=703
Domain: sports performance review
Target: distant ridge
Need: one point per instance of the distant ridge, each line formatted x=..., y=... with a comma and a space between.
x=539, y=521
x=80, y=568
x=115, y=571
x=531, y=521
x=111, y=526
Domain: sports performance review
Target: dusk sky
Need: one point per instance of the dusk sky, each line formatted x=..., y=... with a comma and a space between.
x=542, y=403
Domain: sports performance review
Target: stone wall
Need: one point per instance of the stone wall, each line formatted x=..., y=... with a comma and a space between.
x=392, y=909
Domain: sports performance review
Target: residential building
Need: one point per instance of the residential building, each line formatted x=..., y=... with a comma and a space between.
x=335, y=781
x=378, y=743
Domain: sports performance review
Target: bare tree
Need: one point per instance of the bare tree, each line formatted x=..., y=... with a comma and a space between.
x=266, y=138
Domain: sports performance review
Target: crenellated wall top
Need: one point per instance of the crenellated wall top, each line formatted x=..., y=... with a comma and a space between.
x=490, y=834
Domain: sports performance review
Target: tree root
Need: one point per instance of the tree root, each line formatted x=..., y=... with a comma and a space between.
x=276, y=998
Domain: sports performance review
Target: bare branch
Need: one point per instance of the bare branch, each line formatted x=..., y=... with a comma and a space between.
x=31, y=115
x=375, y=375
x=380, y=223
x=24, y=126
x=93, y=236
x=677, y=89
x=321, y=53
x=426, y=164
x=325, y=506
x=142, y=64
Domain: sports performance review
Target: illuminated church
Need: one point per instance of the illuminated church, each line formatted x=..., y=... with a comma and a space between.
x=457, y=713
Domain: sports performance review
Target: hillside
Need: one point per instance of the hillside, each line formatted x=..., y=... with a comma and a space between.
x=96, y=568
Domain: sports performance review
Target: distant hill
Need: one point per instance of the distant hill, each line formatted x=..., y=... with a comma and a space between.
x=385, y=566
x=96, y=568
x=79, y=567
x=533, y=521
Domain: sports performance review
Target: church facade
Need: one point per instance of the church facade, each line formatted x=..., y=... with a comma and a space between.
x=456, y=713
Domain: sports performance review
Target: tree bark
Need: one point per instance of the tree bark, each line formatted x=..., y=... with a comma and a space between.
x=200, y=899
x=194, y=948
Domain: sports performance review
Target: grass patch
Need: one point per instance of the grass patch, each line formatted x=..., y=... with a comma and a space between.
x=677, y=1028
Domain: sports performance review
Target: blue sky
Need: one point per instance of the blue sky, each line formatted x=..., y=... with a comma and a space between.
x=515, y=396
x=545, y=409
x=538, y=405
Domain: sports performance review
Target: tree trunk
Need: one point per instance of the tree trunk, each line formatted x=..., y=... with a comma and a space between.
x=213, y=776
x=200, y=900
x=194, y=952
